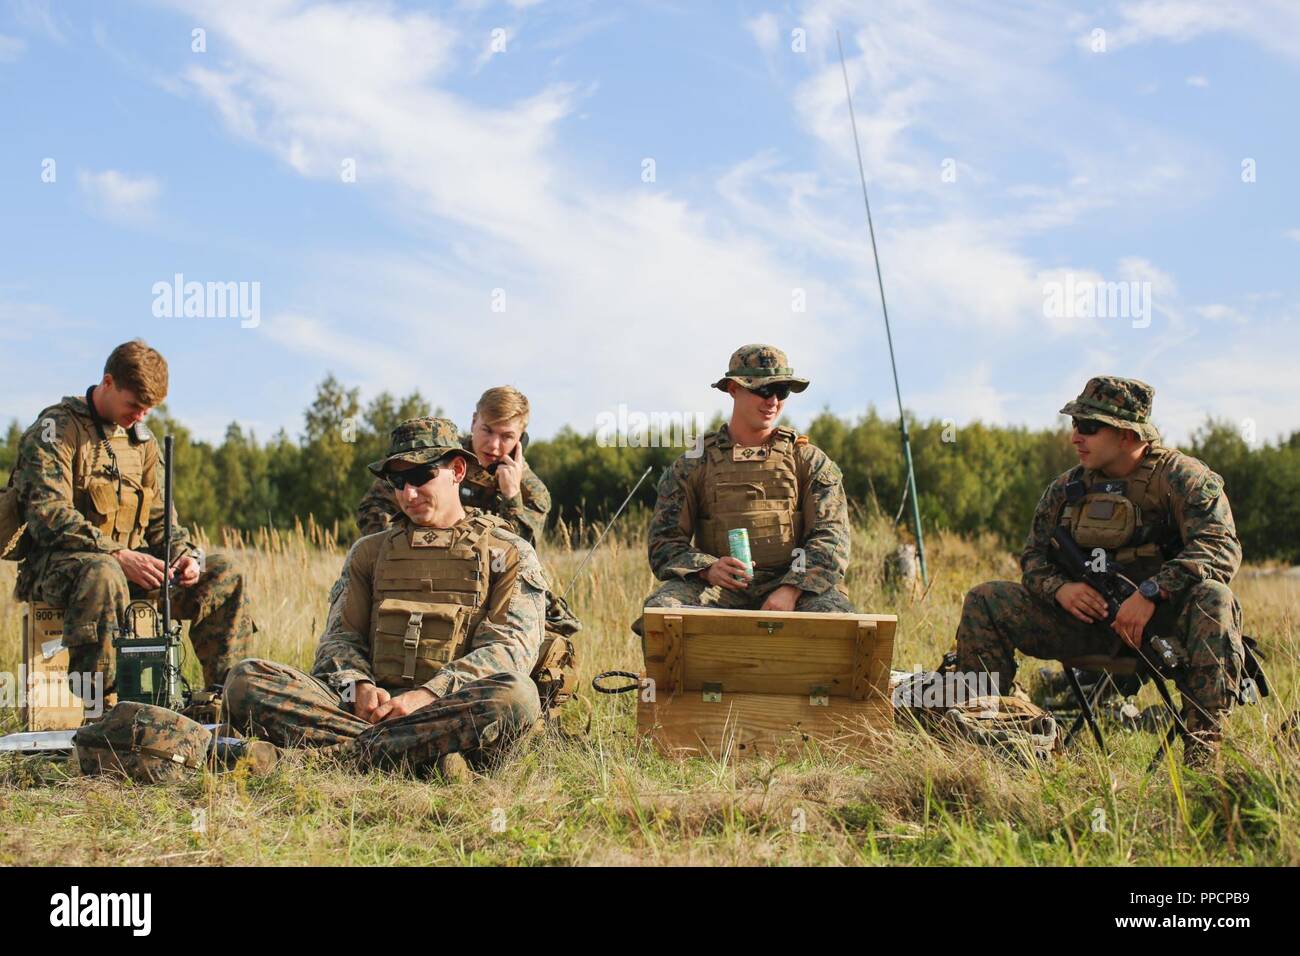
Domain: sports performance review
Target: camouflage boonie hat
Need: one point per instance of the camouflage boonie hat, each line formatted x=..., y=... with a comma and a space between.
x=753, y=366
x=420, y=440
x=1121, y=402
x=146, y=743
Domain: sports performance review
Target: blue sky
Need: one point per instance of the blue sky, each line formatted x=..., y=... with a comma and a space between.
x=1082, y=156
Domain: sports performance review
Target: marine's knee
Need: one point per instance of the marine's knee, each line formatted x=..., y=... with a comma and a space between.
x=242, y=683
x=828, y=602
x=220, y=567
x=516, y=698
x=990, y=592
x=1212, y=599
x=671, y=594
x=101, y=575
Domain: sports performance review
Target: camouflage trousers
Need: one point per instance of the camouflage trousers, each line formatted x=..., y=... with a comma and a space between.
x=94, y=594
x=1002, y=617
x=293, y=709
x=694, y=591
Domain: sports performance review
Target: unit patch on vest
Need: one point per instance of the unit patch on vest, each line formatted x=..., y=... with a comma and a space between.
x=430, y=538
x=750, y=452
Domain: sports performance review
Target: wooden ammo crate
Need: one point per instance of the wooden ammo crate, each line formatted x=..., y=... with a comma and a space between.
x=745, y=682
x=44, y=654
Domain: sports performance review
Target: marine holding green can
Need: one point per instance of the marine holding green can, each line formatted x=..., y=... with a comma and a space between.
x=756, y=518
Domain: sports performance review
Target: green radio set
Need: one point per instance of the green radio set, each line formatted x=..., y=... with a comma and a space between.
x=149, y=666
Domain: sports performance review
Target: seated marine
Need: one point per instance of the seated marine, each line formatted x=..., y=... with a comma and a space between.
x=434, y=628
x=765, y=479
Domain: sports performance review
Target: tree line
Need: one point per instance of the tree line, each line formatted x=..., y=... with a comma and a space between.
x=975, y=479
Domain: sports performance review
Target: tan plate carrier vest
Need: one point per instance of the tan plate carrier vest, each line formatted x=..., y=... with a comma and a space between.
x=1114, y=520
x=760, y=495
x=430, y=593
x=118, y=506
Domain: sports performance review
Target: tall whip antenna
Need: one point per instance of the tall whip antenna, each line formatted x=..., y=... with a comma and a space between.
x=902, y=419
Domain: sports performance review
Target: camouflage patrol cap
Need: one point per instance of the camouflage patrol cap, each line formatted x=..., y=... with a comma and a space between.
x=755, y=365
x=1120, y=402
x=146, y=743
x=420, y=440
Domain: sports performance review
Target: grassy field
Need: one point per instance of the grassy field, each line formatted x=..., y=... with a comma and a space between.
x=604, y=797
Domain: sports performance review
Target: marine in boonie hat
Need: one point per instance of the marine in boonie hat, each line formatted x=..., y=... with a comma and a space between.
x=753, y=366
x=420, y=440
x=1119, y=402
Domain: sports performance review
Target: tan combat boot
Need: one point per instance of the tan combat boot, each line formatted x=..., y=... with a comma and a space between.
x=453, y=768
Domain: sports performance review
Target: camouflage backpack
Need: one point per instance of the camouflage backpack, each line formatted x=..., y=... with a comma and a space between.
x=1011, y=724
x=146, y=743
x=556, y=671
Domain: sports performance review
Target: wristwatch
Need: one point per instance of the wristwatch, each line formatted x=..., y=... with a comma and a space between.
x=1150, y=590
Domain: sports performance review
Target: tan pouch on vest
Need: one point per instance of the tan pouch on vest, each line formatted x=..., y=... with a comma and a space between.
x=413, y=641
x=132, y=513
x=104, y=503
x=1104, y=520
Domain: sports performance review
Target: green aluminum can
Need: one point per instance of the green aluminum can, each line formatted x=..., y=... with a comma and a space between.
x=738, y=542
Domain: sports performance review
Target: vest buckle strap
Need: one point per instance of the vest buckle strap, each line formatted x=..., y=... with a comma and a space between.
x=411, y=643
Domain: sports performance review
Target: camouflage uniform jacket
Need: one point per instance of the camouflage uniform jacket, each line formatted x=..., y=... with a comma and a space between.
x=57, y=456
x=526, y=512
x=821, y=499
x=508, y=638
x=1196, y=506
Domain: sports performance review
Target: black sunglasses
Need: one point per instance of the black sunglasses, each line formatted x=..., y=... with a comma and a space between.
x=1087, y=426
x=780, y=392
x=417, y=476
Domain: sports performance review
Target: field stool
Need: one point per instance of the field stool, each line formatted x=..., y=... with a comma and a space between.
x=1118, y=665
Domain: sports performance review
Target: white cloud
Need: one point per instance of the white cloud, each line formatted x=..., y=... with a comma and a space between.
x=11, y=48
x=1198, y=81
x=766, y=31
x=1273, y=24
x=38, y=16
x=1293, y=234
x=613, y=278
x=1216, y=312
x=607, y=273
x=118, y=196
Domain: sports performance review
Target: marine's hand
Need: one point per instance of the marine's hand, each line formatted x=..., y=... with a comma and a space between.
x=730, y=573
x=1082, y=601
x=140, y=568
x=1131, y=619
x=510, y=472
x=403, y=704
x=369, y=698
x=782, y=599
x=187, y=571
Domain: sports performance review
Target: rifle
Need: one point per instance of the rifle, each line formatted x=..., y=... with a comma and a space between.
x=1115, y=588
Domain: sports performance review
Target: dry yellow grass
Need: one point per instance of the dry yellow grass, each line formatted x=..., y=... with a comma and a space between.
x=604, y=797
